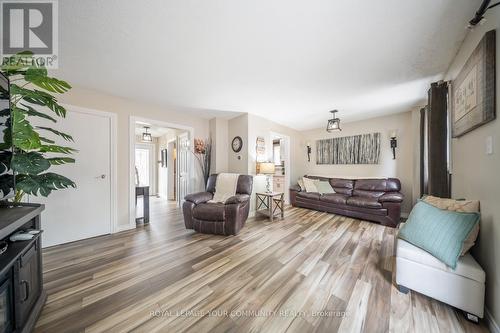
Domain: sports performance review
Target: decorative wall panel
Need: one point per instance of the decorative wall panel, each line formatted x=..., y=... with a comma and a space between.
x=357, y=149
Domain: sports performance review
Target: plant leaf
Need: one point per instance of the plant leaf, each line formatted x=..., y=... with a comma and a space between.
x=65, y=136
x=6, y=183
x=24, y=136
x=7, y=136
x=31, y=163
x=5, y=158
x=39, y=98
x=5, y=113
x=16, y=64
x=42, y=139
x=60, y=160
x=42, y=184
x=38, y=76
x=34, y=113
x=56, y=149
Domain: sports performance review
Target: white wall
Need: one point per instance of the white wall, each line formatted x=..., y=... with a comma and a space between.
x=401, y=167
x=125, y=108
x=220, y=144
x=238, y=162
x=476, y=175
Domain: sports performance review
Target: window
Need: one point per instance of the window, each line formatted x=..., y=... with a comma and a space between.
x=142, y=166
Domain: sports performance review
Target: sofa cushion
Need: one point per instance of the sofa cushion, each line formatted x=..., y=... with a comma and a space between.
x=367, y=194
x=324, y=187
x=466, y=206
x=309, y=184
x=439, y=232
x=245, y=185
x=391, y=197
x=335, y=198
x=466, y=265
x=300, y=182
x=382, y=184
x=209, y=212
x=340, y=185
x=308, y=195
x=343, y=186
x=364, y=202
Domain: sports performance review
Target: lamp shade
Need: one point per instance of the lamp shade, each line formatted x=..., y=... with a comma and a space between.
x=266, y=168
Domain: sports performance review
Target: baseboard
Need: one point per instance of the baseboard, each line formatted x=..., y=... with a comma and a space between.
x=251, y=214
x=126, y=227
x=490, y=321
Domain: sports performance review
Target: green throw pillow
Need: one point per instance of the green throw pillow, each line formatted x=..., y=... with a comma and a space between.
x=324, y=187
x=437, y=231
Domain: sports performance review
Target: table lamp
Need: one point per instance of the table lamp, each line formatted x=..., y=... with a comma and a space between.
x=267, y=168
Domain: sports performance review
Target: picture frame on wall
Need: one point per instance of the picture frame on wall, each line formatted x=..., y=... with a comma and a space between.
x=473, y=101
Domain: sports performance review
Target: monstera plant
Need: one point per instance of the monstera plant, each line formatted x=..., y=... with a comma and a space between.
x=32, y=96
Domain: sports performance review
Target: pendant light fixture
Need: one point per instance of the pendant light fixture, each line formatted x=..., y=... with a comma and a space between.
x=334, y=123
x=146, y=136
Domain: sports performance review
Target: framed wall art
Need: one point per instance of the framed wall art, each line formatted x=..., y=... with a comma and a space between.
x=473, y=91
x=356, y=149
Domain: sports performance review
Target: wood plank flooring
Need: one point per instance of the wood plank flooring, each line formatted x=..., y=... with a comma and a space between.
x=311, y=272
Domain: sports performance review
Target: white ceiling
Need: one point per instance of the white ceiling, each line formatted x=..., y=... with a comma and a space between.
x=290, y=61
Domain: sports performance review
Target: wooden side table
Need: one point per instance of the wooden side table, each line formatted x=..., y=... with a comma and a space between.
x=270, y=204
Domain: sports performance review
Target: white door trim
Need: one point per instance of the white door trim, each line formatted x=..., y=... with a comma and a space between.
x=131, y=156
x=113, y=158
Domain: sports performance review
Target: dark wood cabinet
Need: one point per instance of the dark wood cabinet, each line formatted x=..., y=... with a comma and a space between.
x=28, y=287
x=21, y=285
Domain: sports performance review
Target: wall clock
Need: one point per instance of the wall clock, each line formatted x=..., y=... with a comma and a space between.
x=237, y=144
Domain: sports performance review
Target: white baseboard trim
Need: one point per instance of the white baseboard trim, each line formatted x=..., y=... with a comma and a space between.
x=251, y=214
x=490, y=321
x=126, y=227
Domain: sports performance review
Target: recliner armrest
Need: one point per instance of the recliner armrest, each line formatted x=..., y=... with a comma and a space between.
x=238, y=198
x=198, y=198
x=391, y=197
x=295, y=188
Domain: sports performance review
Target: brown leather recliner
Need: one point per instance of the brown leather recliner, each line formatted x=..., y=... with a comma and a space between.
x=218, y=218
x=377, y=200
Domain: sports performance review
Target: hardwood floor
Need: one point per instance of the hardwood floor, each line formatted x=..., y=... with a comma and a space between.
x=311, y=272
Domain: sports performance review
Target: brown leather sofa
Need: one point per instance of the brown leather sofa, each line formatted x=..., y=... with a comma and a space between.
x=377, y=200
x=218, y=218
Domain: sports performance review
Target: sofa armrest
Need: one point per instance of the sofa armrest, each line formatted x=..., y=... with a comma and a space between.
x=391, y=197
x=238, y=198
x=295, y=188
x=198, y=198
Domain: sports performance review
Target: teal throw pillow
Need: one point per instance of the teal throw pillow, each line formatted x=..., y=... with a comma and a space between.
x=437, y=231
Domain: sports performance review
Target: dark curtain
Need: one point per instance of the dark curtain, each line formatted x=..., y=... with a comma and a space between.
x=435, y=172
x=423, y=152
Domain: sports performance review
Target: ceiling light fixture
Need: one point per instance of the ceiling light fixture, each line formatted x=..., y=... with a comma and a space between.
x=146, y=136
x=334, y=123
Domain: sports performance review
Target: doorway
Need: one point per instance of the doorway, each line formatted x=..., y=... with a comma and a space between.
x=281, y=157
x=145, y=166
x=160, y=168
